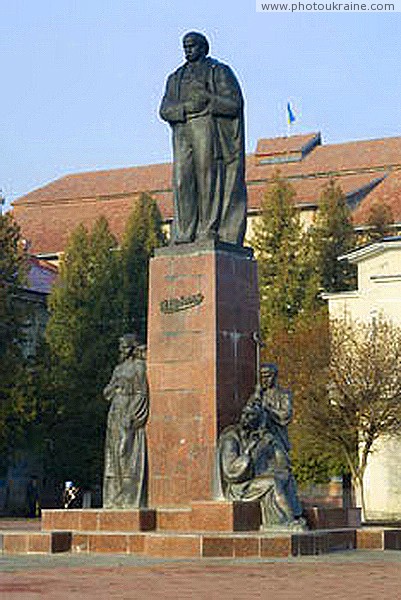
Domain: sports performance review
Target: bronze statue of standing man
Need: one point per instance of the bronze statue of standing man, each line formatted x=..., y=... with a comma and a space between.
x=203, y=104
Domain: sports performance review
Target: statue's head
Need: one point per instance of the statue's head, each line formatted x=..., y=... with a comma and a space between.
x=268, y=375
x=252, y=415
x=195, y=46
x=128, y=343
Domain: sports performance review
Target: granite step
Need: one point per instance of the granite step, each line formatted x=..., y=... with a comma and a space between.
x=93, y=519
x=201, y=545
x=29, y=542
x=199, y=516
x=216, y=544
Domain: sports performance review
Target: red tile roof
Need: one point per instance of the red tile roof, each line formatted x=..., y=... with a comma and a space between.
x=388, y=192
x=308, y=190
x=284, y=145
x=47, y=215
x=369, y=155
x=102, y=183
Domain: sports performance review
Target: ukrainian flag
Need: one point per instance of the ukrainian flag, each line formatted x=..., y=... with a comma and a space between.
x=290, y=114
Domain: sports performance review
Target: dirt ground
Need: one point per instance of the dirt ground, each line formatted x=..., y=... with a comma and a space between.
x=357, y=575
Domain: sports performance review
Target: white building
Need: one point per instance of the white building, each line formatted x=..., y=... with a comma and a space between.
x=378, y=293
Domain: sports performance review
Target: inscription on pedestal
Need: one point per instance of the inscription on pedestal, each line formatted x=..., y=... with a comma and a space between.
x=172, y=305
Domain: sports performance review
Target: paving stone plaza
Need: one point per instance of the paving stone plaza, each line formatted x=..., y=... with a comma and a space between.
x=362, y=574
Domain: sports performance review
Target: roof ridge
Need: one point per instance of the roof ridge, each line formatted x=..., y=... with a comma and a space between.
x=113, y=170
x=364, y=141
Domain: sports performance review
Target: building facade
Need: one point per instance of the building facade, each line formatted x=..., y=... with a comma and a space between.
x=378, y=294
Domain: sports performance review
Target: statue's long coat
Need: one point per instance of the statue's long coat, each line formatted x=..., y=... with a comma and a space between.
x=228, y=213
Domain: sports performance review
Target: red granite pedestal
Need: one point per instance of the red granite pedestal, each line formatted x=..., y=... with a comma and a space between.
x=203, y=312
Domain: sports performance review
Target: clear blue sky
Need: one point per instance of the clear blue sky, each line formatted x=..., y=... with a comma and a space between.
x=82, y=80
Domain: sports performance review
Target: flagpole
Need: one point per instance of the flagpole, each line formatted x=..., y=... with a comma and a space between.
x=288, y=119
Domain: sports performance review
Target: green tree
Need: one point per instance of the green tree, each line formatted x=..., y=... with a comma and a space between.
x=12, y=274
x=101, y=294
x=22, y=398
x=306, y=354
x=83, y=330
x=14, y=410
x=333, y=236
x=287, y=274
x=294, y=265
x=142, y=235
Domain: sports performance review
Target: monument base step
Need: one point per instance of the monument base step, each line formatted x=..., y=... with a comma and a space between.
x=201, y=545
x=28, y=542
x=216, y=545
x=185, y=545
x=378, y=538
x=199, y=516
x=95, y=519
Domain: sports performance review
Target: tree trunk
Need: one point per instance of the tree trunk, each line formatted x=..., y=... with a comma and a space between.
x=360, y=494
